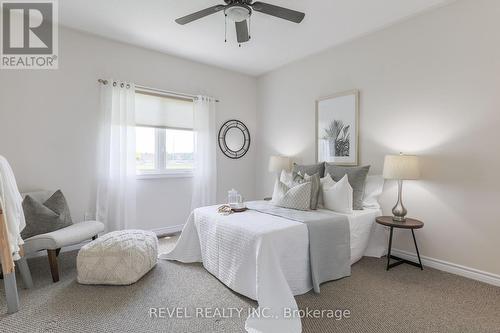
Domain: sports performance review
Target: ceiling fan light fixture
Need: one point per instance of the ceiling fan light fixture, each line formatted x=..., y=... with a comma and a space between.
x=238, y=13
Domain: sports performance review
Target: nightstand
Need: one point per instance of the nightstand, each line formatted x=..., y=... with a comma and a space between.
x=411, y=224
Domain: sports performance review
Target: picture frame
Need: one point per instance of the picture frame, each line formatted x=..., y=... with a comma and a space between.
x=337, y=128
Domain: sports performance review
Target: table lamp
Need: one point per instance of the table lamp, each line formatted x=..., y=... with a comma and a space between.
x=401, y=167
x=278, y=163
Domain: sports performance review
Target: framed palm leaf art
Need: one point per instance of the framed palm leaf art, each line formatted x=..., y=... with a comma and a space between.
x=337, y=132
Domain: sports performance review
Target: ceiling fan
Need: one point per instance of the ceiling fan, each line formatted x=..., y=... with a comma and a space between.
x=240, y=11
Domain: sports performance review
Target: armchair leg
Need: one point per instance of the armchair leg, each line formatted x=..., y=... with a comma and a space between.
x=24, y=270
x=54, y=270
x=11, y=292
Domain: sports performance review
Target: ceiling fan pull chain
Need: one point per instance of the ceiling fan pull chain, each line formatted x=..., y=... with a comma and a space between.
x=225, y=28
x=250, y=28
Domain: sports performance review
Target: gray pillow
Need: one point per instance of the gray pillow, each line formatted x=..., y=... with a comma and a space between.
x=310, y=169
x=356, y=177
x=315, y=181
x=45, y=217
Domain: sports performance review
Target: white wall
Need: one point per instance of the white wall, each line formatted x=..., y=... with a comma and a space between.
x=429, y=86
x=49, y=121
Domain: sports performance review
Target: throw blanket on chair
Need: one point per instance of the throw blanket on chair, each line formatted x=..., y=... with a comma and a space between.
x=11, y=204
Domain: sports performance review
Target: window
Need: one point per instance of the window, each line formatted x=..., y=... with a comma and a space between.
x=164, y=134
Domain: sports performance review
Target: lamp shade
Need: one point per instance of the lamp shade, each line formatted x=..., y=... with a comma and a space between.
x=278, y=163
x=401, y=167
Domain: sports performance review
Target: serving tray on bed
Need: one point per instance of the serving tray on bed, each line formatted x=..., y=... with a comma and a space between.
x=239, y=210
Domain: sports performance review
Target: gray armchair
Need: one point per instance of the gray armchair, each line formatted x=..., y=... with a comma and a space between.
x=52, y=242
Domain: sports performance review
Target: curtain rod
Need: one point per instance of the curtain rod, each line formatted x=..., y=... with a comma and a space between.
x=141, y=87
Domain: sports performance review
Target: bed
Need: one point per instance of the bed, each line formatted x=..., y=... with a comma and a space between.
x=266, y=257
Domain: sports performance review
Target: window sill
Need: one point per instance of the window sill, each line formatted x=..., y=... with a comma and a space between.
x=173, y=174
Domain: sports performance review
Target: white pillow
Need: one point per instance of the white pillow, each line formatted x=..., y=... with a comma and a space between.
x=325, y=180
x=286, y=178
x=337, y=196
x=321, y=201
x=373, y=189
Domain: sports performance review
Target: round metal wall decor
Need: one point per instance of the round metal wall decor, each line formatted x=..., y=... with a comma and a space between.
x=234, y=139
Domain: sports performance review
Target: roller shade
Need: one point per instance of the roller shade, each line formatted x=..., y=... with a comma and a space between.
x=158, y=110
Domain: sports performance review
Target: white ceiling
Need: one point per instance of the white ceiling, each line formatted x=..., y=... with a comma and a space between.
x=275, y=42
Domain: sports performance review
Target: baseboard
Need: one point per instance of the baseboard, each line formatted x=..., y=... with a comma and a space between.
x=168, y=230
x=449, y=267
x=159, y=232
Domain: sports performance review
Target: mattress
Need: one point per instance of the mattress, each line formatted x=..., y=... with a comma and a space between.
x=367, y=237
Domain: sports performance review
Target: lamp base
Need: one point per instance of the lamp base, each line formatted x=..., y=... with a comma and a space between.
x=399, y=218
x=399, y=211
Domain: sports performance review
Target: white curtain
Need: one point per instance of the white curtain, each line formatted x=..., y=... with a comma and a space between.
x=116, y=199
x=205, y=156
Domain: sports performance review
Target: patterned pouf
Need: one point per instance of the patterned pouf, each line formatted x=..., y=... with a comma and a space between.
x=117, y=258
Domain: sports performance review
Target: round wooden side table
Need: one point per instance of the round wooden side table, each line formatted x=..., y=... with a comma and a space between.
x=411, y=224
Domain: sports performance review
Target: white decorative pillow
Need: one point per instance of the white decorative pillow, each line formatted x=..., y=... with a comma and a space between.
x=295, y=197
x=373, y=190
x=337, y=196
x=321, y=201
x=286, y=178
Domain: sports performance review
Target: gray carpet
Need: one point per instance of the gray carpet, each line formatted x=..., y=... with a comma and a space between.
x=401, y=300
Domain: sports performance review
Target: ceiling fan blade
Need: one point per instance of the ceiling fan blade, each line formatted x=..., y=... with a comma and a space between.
x=242, y=32
x=198, y=15
x=284, y=13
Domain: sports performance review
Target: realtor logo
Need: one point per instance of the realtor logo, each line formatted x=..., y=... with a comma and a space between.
x=29, y=37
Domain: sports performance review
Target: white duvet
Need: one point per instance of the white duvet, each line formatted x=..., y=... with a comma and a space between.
x=266, y=257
